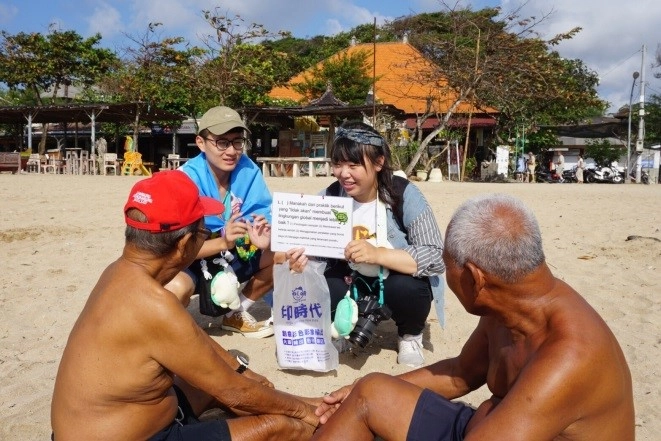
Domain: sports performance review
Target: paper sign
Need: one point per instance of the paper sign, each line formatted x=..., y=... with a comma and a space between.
x=320, y=224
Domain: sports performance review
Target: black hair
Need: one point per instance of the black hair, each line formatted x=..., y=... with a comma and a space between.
x=346, y=149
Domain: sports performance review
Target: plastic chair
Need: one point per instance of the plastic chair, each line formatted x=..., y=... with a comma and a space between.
x=34, y=163
x=51, y=164
x=93, y=164
x=83, y=162
x=173, y=161
x=73, y=164
x=110, y=162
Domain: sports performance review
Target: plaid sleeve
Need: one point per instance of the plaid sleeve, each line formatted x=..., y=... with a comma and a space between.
x=426, y=244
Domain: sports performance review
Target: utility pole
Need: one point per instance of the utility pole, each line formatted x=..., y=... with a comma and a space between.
x=641, y=120
x=627, y=180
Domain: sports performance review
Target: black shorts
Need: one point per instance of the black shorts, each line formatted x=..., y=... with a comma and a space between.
x=438, y=419
x=187, y=427
x=244, y=269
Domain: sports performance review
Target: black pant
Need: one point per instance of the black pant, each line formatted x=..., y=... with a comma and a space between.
x=408, y=297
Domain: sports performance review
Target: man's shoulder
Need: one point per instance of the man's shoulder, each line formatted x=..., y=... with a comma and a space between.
x=577, y=340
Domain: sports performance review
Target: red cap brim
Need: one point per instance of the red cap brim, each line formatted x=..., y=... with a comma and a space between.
x=211, y=206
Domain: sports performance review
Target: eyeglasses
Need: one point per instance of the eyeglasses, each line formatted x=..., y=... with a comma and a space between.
x=223, y=144
x=205, y=232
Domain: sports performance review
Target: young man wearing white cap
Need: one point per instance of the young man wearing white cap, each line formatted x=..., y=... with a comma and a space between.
x=222, y=171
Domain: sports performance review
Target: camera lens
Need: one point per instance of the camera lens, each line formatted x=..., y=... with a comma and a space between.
x=370, y=314
x=363, y=332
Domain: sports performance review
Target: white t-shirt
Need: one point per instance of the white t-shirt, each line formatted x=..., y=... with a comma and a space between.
x=364, y=220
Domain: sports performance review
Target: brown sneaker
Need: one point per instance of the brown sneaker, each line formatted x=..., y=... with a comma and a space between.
x=243, y=322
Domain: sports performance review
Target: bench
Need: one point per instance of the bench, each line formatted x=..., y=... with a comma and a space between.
x=10, y=160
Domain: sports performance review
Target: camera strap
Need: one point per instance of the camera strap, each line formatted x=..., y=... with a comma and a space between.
x=354, y=289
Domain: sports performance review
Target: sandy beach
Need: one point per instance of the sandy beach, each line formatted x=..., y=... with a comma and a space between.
x=59, y=232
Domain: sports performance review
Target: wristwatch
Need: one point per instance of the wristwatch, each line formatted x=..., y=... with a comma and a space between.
x=243, y=363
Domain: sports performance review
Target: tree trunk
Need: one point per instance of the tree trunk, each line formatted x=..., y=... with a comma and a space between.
x=425, y=142
x=42, y=141
x=136, y=127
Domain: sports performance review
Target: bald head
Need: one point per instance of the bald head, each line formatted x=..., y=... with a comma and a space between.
x=498, y=234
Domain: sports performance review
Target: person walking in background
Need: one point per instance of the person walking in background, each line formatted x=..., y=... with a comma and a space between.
x=222, y=171
x=520, y=168
x=554, y=368
x=532, y=164
x=560, y=166
x=580, y=165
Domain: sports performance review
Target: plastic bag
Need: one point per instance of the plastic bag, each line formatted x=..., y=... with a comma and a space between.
x=302, y=319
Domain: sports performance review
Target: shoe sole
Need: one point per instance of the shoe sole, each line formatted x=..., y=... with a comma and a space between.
x=411, y=364
x=262, y=333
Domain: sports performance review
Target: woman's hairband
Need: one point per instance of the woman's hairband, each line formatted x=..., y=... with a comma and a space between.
x=360, y=136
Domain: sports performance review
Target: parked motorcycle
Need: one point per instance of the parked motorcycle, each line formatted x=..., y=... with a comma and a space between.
x=543, y=174
x=644, y=177
x=570, y=175
x=609, y=174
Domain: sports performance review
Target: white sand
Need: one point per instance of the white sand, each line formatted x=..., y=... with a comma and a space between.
x=59, y=232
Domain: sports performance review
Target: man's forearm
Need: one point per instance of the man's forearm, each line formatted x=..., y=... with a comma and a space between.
x=214, y=246
x=439, y=378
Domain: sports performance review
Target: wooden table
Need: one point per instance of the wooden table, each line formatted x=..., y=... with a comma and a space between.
x=278, y=166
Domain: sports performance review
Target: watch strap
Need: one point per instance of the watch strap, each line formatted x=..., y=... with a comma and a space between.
x=242, y=366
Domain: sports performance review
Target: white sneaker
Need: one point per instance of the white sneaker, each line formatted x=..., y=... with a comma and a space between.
x=410, y=350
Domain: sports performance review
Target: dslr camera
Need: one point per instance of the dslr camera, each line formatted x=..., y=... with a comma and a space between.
x=370, y=314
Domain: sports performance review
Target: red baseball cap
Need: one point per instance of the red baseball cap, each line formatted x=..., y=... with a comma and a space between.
x=170, y=200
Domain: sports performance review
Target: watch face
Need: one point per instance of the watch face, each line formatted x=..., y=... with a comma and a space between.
x=242, y=359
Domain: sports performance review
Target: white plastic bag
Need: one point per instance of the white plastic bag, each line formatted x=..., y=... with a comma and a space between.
x=302, y=318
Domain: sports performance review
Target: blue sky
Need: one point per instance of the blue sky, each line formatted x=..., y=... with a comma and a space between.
x=610, y=42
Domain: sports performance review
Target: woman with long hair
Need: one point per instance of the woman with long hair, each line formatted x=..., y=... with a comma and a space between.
x=394, y=259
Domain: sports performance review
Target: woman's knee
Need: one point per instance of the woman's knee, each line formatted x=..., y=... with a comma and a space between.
x=182, y=287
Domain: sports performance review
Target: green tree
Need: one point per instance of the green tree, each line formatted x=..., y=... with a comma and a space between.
x=159, y=71
x=542, y=140
x=32, y=63
x=237, y=71
x=602, y=151
x=301, y=54
x=652, y=121
x=348, y=74
x=499, y=63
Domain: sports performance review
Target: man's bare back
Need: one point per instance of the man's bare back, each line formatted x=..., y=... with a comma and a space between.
x=135, y=358
x=132, y=397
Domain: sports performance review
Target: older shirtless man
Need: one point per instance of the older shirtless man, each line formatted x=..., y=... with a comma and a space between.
x=137, y=366
x=554, y=368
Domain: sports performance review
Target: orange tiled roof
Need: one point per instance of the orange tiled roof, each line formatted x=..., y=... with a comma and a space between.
x=396, y=66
